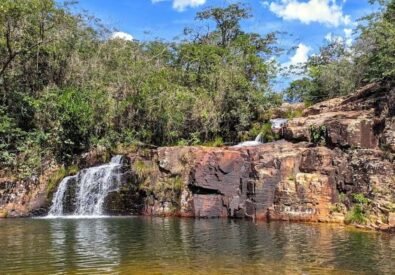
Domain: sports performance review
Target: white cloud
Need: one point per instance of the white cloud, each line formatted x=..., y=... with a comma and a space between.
x=301, y=55
x=330, y=37
x=181, y=5
x=348, y=37
x=121, y=35
x=293, y=67
x=348, y=32
x=327, y=12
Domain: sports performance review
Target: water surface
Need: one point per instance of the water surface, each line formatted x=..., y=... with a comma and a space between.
x=139, y=245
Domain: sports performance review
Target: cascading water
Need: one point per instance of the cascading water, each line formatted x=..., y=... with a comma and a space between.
x=57, y=201
x=277, y=124
x=259, y=138
x=258, y=141
x=92, y=186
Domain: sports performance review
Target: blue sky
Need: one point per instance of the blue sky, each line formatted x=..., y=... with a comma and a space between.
x=307, y=22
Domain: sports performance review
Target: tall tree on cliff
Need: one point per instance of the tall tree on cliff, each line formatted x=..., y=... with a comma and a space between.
x=375, y=48
x=241, y=87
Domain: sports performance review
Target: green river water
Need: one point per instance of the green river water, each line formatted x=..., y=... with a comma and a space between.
x=140, y=245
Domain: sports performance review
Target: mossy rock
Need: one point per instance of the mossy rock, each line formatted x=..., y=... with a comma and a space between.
x=3, y=214
x=57, y=177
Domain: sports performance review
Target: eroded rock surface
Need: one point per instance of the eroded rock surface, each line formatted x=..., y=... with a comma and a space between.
x=274, y=181
x=362, y=120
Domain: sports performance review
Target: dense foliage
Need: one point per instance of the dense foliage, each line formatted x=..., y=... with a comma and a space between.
x=66, y=86
x=340, y=68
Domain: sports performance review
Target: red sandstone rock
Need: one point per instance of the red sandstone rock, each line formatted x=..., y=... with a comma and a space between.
x=362, y=120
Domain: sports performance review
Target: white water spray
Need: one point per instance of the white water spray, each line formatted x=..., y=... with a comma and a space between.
x=57, y=201
x=92, y=187
x=258, y=141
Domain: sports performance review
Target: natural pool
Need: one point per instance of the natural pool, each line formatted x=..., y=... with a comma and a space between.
x=140, y=245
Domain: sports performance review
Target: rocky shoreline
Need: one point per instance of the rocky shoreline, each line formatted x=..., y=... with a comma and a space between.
x=333, y=164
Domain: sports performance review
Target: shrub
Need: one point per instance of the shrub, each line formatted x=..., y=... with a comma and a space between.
x=142, y=169
x=293, y=113
x=217, y=142
x=55, y=179
x=358, y=212
x=59, y=175
x=356, y=215
x=318, y=134
x=360, y=198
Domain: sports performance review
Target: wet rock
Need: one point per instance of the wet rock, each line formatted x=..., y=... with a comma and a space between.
x=391, y=219
x=97, y=156
x=209, y=206
x=3, y=214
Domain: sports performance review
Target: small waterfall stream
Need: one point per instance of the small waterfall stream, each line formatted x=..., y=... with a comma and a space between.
x=57, y=201
x=277, y=123
x=92, y=186
x=258, y=141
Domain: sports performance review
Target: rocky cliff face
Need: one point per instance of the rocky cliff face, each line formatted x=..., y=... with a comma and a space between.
x=271, y=181
x=334, y=162
x=274, y=181
x=19, y=198
x=365, y=120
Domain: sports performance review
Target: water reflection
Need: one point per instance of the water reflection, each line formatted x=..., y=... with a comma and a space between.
x=171, y=246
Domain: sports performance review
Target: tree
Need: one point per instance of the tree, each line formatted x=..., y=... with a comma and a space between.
x=66, y=87
x=375, y=47
x=227, y=21
x=330, y=73
x=339, y=69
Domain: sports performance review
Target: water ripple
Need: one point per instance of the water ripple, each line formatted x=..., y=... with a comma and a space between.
x=184, y=246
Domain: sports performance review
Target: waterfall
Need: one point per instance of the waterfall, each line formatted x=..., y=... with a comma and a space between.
x=258, y=141
x=92, y=186
x=278, y=123
x=57, y=201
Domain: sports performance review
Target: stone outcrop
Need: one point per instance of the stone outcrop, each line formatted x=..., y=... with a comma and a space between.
x=362, y=120
x=274, y=181
x=19, y=198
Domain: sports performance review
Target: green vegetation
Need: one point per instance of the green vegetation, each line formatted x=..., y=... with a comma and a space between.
x=217, y=142
x=58, y=175
x=293, y=113
x=343, y=198
x=339, y=68
x=318, y=134
x=66, y=87
x=142, y=169
x=264, y=129
x=337, y=208
x=360, y=199
x=358, y=213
